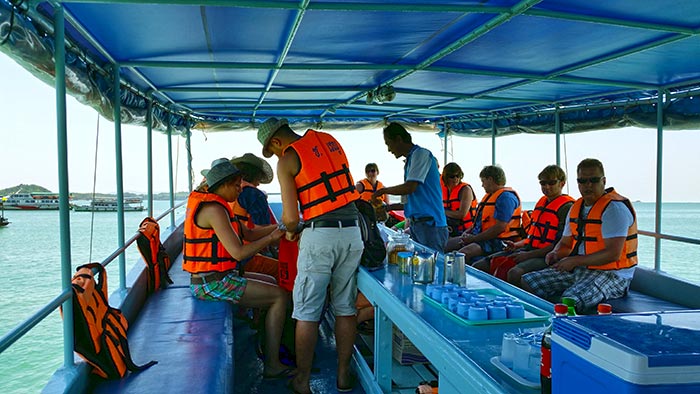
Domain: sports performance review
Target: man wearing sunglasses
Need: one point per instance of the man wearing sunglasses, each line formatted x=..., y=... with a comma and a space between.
x=595, y=259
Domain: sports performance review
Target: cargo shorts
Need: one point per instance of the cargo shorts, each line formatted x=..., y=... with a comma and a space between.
x=328, y=257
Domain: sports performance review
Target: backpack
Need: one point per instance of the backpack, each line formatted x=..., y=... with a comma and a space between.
x=375, y=252
x=100, y=330
x=154, y=255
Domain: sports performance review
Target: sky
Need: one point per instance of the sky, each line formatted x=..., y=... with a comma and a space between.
x=29, y=154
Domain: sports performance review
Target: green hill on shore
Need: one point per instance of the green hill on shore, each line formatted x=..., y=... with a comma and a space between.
x=86, y=196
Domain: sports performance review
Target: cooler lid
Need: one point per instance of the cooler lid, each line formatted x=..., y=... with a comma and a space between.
x=665, y=338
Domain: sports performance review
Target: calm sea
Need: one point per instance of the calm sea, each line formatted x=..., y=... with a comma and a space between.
x=30, y=260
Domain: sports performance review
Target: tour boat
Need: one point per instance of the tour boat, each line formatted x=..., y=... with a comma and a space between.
x=468, y=68
x=110, y=205
x=31, y=201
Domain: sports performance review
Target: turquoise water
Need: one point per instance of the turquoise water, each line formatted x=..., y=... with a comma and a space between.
x=30, y=259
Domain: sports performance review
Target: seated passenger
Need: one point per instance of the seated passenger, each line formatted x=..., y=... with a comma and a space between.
x=458, y=198
x=548, y=220
x=595, y=259
x=366, y=187
x=213, y=248
x=497, y=219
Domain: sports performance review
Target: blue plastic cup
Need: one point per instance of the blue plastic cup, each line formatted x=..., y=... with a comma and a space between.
x=436, y=293
x=452, y=302
x=429, y=289
x=477, y=313
x=463, y=308
x=445, y=299
x=515, y=311
x=467, y=294
x=496, y=312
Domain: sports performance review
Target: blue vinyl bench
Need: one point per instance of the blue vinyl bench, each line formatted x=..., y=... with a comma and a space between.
x=192, y=340
x=651, y=291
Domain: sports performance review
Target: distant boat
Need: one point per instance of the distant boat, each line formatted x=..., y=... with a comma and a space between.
x=31, y=201
x=110, y=205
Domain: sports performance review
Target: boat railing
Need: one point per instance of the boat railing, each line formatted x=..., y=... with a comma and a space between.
x=27, y=325
x=669, y=237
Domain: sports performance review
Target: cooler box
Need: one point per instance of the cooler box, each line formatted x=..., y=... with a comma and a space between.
x=627, y=353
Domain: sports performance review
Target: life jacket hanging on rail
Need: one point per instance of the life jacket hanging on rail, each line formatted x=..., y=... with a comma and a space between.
x=100, y=330
x=154, y=255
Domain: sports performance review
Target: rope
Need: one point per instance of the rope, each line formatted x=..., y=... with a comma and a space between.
x=94, y=184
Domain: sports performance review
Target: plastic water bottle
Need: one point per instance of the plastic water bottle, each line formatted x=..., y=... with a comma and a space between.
x=571, y=304
x=546, y=362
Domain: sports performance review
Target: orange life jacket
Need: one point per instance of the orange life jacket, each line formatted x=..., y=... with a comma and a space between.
x=487, y=208
x=369, y=189
x=100, y=330
x=153, y=254
x=545, y=222
x=589, y=231
x=324, y=182
x=202, y=251
x=451, y=201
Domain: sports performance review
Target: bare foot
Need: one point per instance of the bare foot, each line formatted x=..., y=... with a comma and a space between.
x=294, y=387
x=278, y=372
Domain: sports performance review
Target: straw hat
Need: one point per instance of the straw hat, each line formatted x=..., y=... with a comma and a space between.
x=267, y=130
x=221, y=170
x=258, y=163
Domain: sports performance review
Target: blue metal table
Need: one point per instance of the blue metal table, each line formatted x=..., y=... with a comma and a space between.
x=461, y=353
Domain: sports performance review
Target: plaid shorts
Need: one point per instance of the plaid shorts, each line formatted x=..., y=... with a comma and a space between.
x=587, y=287
x=229, y=288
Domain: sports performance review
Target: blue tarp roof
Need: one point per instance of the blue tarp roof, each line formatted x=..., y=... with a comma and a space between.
x=232, y=64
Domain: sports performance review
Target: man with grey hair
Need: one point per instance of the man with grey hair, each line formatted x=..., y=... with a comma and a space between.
x=497, y=219
x=314, y=176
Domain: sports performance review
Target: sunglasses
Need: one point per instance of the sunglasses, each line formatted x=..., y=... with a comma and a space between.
x=453, y=176
x=372, y=170
x=593, y=180
x=550, y=183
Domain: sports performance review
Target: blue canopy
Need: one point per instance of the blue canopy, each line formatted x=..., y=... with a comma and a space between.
x=466, y=65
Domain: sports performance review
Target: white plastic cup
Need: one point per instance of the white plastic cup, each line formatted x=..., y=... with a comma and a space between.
x=508, y=349
x=521, y=357
x=534, y=360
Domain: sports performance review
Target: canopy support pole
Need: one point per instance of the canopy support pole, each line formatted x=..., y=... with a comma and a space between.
x=659, y=177
x=63, y=189
x=493, y=141
x=170, y=171
x=116, y=89
x=447, y=131
x=149, y=153
x=557, y=133
x=188, y=145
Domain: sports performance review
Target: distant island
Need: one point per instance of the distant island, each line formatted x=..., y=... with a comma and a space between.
x=87, y=196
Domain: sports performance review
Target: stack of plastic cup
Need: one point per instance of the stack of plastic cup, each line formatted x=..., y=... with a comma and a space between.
x=508, y=349
x=521, y=357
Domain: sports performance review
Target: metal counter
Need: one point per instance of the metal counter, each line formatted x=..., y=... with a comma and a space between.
x=460, y=353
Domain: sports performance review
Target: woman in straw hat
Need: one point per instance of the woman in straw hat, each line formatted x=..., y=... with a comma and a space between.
x=213, y=250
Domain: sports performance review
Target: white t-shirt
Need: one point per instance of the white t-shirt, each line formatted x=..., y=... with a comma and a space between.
x=617, y=220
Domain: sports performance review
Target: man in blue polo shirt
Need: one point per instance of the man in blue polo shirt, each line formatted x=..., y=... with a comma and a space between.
x=423, y=207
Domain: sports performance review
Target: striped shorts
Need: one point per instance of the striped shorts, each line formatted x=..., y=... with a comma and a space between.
x=588, y=287
x=229, y=288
